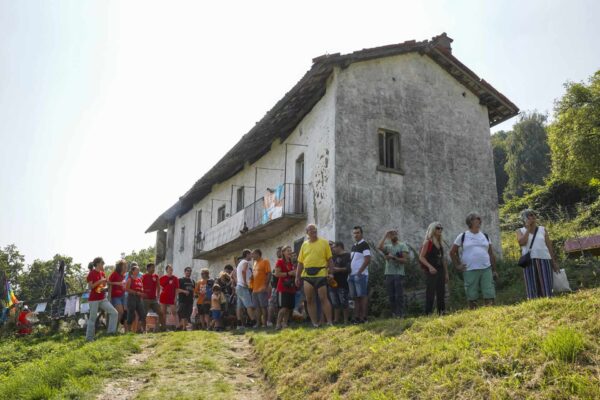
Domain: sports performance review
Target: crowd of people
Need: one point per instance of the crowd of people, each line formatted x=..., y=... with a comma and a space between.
x=321, y=280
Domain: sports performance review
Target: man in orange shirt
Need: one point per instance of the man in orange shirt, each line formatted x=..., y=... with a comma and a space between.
x=261, y=272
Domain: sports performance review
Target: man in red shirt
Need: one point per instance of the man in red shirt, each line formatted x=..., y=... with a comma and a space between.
x=152, y=291
x=97, y=284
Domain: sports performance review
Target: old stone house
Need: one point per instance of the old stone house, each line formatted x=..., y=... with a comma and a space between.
x=390, y=137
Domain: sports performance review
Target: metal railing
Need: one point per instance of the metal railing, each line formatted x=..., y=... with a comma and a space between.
x=283, y=200
x=288, y=199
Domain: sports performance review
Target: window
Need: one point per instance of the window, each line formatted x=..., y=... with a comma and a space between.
x=240, y=199
x=182, y=239
x=389, y=150
x=198, y=226
x=221, y=214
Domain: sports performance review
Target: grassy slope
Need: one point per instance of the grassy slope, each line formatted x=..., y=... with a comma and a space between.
x=62, y=366
x=178, y=365
x=518, y=351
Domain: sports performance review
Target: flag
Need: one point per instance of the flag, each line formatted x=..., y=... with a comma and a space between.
x=11, y=299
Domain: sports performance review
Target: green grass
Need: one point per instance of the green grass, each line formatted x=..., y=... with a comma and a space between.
x=62, y=366
x=542, y=349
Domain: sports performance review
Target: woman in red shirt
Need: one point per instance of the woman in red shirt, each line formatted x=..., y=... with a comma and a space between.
x=169, y=288
x=116, y=280
x=135, y=298
x=286, y=287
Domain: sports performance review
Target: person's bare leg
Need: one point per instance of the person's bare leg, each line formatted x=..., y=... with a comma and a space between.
x=346, y=314
x=311, y=304
x=325, y=304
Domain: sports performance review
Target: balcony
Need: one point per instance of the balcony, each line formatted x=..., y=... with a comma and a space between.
x=267, y=217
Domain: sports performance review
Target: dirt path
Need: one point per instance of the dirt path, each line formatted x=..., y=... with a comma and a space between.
x=245, y=375
x=126, y=388
x=190, y=365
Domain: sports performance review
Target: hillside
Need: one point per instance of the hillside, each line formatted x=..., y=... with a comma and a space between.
x=543, y=349
x=540, y=349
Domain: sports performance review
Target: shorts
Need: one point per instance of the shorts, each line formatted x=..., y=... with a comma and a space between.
x=244, y=297
x=358, y=285
x=204, y=309
x=316, y=282
x=184, y=310
x=479, y=280
x=260, y=299
x=118, y=301
x=338, y=297
x=216, y=314
x=152, y=304
x=286, y=300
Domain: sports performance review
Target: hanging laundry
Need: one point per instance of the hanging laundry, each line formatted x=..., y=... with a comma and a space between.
x=72, y=306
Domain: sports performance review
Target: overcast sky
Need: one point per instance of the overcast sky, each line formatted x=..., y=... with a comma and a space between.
x=109, y=111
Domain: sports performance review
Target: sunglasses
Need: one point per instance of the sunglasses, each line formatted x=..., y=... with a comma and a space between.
x=439, y=228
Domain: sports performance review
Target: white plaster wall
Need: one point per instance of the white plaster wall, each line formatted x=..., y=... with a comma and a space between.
x=445, y=147
x=316, y=131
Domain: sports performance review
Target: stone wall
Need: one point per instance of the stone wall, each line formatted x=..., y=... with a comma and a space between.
x=445, y=150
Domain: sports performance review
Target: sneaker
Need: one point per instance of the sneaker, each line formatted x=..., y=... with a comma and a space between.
x=269, y=324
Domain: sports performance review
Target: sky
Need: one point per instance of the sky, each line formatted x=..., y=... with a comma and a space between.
x=111, y=110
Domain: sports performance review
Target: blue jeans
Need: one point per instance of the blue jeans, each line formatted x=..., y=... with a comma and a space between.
x=358, y=285
x=395, y=292
x=91, y=323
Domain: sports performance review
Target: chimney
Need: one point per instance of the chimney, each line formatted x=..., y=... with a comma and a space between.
x=442, y=42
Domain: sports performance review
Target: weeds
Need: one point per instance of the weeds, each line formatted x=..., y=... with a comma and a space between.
x=563, y=344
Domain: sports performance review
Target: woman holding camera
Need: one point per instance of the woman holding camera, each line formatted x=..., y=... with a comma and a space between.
x=286, y=287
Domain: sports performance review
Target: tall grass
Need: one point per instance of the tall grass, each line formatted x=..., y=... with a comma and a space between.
x=493, y=352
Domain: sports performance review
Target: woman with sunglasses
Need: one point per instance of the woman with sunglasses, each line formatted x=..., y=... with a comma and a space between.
x=436, y=269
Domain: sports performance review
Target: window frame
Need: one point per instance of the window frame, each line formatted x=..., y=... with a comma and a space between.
x=387, y=138
x=239, y=205
x=221, y=214
x=182, y=239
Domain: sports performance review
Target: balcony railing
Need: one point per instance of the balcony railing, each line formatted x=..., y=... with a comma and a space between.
x=287, y=200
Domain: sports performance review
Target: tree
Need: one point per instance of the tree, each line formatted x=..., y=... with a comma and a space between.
x=499, y=143
x=38, y=281
x=574, y=136
x=142, y=257
x=12, y=263
x=528, y=154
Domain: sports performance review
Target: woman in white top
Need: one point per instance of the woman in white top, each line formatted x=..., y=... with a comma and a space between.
x=538, y=275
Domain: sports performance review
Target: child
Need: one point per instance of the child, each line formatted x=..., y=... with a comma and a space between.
x=215, y=307
x=204, y=292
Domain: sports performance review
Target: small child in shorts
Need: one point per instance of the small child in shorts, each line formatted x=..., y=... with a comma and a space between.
x=215, y=307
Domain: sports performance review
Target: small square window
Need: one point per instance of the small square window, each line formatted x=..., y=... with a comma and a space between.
x=221, y=214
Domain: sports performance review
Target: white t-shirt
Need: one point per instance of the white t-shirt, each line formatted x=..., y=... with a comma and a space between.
x=358, y=253
x=475, y=250
x=239, y=272
x=539, y=249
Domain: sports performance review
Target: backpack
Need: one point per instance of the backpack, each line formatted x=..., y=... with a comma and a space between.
x=462, y=238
